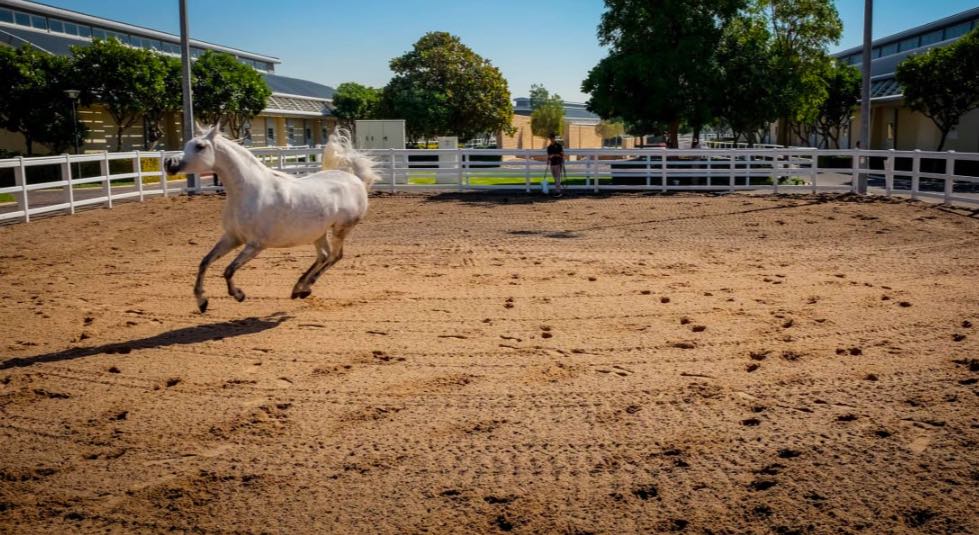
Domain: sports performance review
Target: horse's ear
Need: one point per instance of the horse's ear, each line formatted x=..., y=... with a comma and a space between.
x=198, y=129
x=214, y=131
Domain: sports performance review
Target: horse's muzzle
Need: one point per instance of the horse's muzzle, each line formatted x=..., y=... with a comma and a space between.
x=173, y=165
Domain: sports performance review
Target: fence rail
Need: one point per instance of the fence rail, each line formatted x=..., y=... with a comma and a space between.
x=66, y=182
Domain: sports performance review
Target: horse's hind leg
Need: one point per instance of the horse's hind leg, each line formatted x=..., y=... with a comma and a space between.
x=336, y=250
x=225, y=245
x=301, y=289
x=249, y=252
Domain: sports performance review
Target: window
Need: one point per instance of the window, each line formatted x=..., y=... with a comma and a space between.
x=71, y=28
x=39, y=22
x=22, y=18
x=958, y=30
x=908, y=44
x=6, y=15
x=98, y=33
x=875, y=52
x=931, y=37
x=324, y=135
x=196, y=52
x=171, y=48
x=309, y=136
x=56, y=25
x=85, y=31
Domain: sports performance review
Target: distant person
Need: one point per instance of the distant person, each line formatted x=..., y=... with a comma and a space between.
x=555, y=159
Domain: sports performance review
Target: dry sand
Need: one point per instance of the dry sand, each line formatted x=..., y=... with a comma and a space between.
x=483, y=364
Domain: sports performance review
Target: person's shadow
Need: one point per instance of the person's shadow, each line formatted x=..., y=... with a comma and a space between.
x=183, y=336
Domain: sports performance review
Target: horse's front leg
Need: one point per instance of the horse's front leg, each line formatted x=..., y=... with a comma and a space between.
x=249, y=252
x=301, y=290
x=225, y=245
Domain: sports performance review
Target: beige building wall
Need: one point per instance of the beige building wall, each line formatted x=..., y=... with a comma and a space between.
x=576, y=136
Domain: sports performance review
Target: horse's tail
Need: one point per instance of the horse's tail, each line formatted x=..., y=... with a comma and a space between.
x=339, y=153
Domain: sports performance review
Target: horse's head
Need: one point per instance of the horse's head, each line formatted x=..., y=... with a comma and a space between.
x=198, y=156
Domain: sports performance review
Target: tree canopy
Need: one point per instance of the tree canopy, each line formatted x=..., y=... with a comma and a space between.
x=547, y=115
x=31, y=77
x=842, y=95
x=661, y=60
x=227, y=90
x=354, y=101
x=441, y=87
x=943, y=83
x=128, y=81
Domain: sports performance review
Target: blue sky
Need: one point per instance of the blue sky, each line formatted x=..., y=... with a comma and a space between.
x=540, y=41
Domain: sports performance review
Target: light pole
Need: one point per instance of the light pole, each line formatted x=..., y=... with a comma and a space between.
x=188, y=121
x=868, y=25
x=73, y=97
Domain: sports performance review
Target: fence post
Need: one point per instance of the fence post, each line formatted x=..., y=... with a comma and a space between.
x=66, y=176
x=526, y=171
x=461, y=172
x=855, y=166
x=20, y=179
x=889, y=173
x=163, y=173
x=777, y=172
x=949, y=171
x=662, y=168
x=394, y=165
x=814, y=168
x=732, y=157
x=915, y=173
x=592, y=168
x=710, y=169
x=139, y=175
x=649, y=171
x=106, y=184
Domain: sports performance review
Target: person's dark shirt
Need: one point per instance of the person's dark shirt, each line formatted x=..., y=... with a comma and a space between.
x=555, y=153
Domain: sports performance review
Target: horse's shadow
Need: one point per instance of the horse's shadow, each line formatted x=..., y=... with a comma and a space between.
x=184, y=336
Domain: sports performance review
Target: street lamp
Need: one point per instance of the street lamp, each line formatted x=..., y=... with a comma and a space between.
x=73, y=96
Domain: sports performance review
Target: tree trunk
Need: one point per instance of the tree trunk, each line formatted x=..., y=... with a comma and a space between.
x=29, y=144
x=941, y=142
x=672, y=141
x=696, y=136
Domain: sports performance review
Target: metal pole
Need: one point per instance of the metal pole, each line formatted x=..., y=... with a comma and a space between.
x=74, y=125
x=188, y=121
x=868, y=24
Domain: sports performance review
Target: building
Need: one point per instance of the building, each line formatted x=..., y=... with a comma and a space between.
x=893, y=125
x=578, y=131
x=298, y=111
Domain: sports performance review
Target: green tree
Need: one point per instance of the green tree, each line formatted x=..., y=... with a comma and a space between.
x=746, y=102
x=610, y=129
x=842, y=95
x=128, y=81
x=660, y=62
x=354, y=101
x=547, y=116
x=170, y=100
x=802, y=31
x=30, y=78
x=442, y=87
x=943, y=83
x=227, y=90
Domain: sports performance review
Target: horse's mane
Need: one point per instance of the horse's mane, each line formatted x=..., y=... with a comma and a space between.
x=339, y=153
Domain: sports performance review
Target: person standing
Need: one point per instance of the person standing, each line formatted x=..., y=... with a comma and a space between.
x=555, y=159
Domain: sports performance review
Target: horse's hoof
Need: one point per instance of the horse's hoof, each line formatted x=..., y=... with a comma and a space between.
x=302, y=294
x=202, y=306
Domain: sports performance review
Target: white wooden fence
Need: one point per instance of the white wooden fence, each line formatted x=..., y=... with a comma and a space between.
x=90, y=179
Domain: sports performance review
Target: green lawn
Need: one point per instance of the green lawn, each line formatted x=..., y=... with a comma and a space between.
x=7, y=197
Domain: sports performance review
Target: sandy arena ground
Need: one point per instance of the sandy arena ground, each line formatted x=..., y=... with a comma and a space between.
x=479, y=364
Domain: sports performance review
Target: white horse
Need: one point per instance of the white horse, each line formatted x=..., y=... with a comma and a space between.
x=267, y=208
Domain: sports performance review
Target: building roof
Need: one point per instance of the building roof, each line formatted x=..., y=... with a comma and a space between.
x=888, y=52
x=290, y=95
x=76, y=16
x=575, y=112
x=298, y=87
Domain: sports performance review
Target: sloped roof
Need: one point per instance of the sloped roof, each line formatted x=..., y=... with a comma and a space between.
x=884, y=88
x=56, y=44
x=298, y=87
